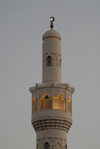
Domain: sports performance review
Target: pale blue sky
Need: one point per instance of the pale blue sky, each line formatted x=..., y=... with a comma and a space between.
x=22, y=23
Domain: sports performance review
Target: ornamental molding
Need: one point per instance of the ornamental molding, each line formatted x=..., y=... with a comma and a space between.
x=45, y=124
x=40, y=86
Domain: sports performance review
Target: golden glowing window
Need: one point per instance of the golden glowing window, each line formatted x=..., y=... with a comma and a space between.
x=35, y=105
x=69, y=105
x=45, y=102
x=59, y=103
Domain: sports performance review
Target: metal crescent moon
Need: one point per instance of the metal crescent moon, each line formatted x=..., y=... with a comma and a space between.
x=53, y=19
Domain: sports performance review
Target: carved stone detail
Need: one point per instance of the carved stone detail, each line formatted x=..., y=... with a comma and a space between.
x=56, y=143
x=51, y=124
x=56, y=59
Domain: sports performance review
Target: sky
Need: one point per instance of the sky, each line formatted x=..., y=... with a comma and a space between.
x=22, y=24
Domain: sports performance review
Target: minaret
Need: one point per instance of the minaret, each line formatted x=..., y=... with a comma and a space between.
x=51, y=99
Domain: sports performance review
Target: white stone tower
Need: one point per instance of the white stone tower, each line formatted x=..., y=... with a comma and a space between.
x=51, y=99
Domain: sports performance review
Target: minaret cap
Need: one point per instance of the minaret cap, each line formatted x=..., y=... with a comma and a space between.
x=51, y=32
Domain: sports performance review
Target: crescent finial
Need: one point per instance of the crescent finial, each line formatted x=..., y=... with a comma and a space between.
x=52, y=19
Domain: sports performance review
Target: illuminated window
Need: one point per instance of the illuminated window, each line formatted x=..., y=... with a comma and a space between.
x=45, y=102
x=46, y=145
x=69, y=105
x=49, y=61
x=59, y=103
x=35, y=105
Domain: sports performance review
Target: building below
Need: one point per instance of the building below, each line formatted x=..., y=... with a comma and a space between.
x=51, y=99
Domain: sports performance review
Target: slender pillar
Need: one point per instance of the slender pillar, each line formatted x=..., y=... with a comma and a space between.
x=51, y=56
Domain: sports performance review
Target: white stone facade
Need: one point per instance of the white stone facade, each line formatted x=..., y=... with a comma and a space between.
x=51, y=100
x=51, y=49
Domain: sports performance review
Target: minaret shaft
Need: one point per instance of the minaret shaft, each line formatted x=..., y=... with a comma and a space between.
x=51, y=57
x=51, y=100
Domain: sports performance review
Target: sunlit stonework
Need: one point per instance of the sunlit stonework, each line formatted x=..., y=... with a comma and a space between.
x=35, y=105
x=51, y=99
x=48, y=102
x=45, y=102
x=59, y=103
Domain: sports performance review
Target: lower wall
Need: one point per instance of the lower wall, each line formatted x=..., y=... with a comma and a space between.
x=52, y=139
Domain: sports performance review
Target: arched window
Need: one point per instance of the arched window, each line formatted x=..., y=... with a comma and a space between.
x=69, y=105
x=46, y=145
x=60, y=62
x=35, y=104
x=59, y=102
x=66, y=146
x=49, y=61
x=37, y=146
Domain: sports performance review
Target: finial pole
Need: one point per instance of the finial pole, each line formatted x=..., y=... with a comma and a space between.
x=52, y=19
